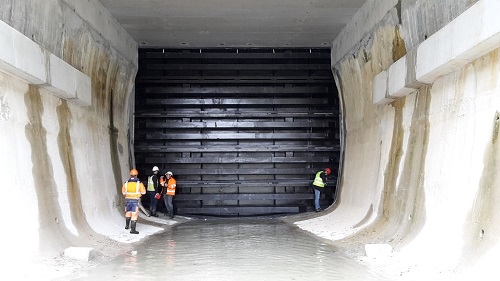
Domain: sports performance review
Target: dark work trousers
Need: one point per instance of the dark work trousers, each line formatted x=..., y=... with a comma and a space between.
x=170, y=206
x=153, y=202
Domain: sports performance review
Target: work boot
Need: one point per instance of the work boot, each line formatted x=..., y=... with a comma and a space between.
x=133, y=225
x=153, y=213
x=127, y=223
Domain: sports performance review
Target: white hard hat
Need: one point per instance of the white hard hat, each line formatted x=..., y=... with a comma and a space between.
x=169, y=173
x=155, y=169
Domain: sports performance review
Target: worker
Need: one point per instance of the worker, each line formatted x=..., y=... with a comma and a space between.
x=132, y=189
x=153, y=190
x=169, y=185
x=318, y=185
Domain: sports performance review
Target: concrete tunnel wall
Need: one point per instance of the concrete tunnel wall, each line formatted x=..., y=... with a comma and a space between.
x=419, y=173
x=63, y=163
x=419, y=170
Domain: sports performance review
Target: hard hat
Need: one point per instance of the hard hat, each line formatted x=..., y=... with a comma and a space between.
x=328, y=171
x=169, y=173
x=155, y=169
x=134, y=172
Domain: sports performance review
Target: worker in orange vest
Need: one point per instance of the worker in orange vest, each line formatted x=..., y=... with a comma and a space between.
x=169, y=185
x=132, y=189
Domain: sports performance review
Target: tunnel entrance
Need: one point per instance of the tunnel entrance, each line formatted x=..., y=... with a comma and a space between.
x=243, y=130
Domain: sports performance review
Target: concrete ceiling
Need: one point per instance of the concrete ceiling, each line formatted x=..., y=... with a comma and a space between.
x=233, y=23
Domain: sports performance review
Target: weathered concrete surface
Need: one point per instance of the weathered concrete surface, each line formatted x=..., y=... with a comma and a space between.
x=63, y=163
x=420, y=173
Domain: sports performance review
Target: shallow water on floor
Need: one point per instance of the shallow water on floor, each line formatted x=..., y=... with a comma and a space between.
x=232, y=249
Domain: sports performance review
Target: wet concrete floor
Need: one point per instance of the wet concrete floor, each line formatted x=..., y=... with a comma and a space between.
x=232, y=249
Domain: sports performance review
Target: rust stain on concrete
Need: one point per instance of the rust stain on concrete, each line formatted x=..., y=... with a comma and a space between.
x=112, y=78
x=68, y=161
x=398, y=45
x=482, y=226
x=52, y=230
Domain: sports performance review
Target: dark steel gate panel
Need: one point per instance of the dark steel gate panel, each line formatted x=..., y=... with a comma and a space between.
x=243, y=130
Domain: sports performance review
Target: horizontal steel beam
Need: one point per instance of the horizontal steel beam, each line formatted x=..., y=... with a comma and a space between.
x=277, y=90
x=235, y=148
x=236, y=136
x=213, y=80
x=237, y=210
x=221, y=124
x=242, y=66
x=226, y=102
x=236, y=114
x=261, y=55
x=244, y=197
x=244, y=171
x=242, y=160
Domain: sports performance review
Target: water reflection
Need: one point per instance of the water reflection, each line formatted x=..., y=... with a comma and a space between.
x=232, y=249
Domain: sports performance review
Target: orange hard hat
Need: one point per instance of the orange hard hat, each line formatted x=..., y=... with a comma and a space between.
x=328, y=171
x=134, y=172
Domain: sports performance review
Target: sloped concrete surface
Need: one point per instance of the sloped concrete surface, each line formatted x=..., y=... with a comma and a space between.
x=419, y=174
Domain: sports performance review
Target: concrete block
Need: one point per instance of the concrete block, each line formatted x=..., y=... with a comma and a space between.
x=83, y=89
x=378, y=250
x=80, y=253
x=20, y=56
x=380, y=89
x=397, y=79
x=61, y=78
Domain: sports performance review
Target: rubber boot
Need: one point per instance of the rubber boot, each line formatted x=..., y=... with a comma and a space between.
x=127, y=223
x=133, y=225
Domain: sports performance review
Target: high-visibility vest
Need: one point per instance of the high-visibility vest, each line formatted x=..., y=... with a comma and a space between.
x=171, y=185
x=133, y=190
x=151, y=184
x=318, y=181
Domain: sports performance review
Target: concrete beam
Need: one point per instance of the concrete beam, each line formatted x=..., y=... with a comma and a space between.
x=380, y=95
x=20, y=56
x=25, y=59
x=473, y=34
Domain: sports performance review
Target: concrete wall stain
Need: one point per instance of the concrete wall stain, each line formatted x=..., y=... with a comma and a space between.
x=109, y=92
x=50, y=217
x=481, y=228
x=68, y=160
x=398, y=45
x=115, y=158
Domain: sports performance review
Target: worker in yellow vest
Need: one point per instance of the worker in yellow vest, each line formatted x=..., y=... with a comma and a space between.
x=169, y=185
x=318, y=185
x=153, y=190
x=132, y=189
